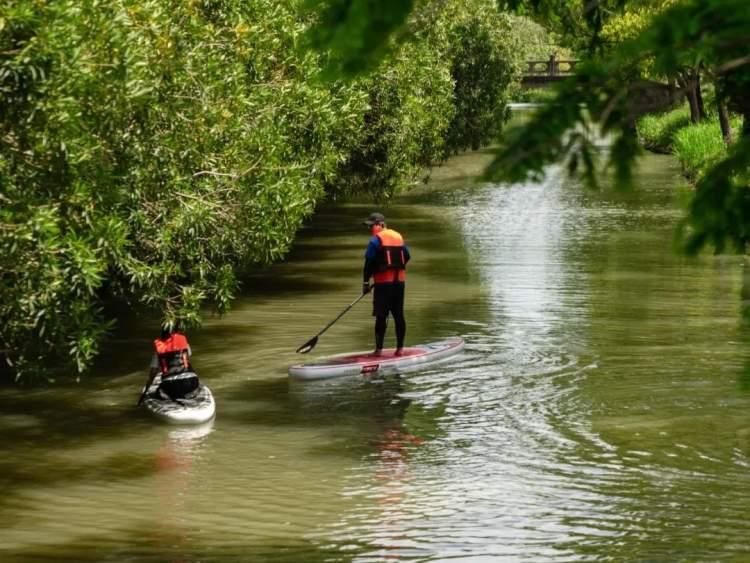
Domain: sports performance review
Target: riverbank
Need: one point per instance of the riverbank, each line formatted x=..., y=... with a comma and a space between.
x=697, y=146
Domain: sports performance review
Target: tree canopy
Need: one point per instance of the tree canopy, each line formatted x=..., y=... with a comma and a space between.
x=715, y=33
x=154, y=151
x=673, y=35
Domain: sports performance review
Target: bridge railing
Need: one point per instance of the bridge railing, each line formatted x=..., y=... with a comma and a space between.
x=550, y=67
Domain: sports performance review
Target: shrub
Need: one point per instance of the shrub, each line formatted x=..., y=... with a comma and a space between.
x=657, y=130
x=700, y=145
x=533, y=95
x=151, y=151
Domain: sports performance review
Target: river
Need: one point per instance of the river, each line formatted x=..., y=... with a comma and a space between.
x=598, y=412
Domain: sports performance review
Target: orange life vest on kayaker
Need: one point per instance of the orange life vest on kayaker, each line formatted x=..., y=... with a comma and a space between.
x=173, y=354
x=391, y=258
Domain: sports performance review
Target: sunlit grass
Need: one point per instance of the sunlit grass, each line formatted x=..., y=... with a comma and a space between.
x=700, y=145
x=657, y=130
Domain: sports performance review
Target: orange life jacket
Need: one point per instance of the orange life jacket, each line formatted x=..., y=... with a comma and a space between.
x=173, y=354
x=391, y=259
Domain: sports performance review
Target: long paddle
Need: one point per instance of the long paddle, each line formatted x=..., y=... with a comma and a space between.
x=145, y=389
x=310, y=344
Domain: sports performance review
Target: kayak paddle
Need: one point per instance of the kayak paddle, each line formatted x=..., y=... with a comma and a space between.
x=145, y=389
x=310, y=344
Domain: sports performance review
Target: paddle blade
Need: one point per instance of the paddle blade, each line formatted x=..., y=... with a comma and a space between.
x=307, y=346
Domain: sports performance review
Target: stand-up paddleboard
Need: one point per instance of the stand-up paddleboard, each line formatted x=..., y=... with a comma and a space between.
x=196, y=408
x=365, y=363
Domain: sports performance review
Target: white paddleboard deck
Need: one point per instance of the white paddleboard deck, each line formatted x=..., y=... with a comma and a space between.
x=198, y=407
x=365, y=363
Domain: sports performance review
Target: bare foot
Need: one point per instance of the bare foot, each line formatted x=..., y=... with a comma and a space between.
x=399, y=352
x=377, y=352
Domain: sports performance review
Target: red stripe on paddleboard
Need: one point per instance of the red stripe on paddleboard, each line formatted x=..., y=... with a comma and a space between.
x=368, y=358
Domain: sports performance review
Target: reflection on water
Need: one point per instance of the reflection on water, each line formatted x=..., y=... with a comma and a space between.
x=597, y=412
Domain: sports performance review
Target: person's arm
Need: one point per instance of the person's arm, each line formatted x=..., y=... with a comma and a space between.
x=407, y=255
x=371, y=255
x=153, y=367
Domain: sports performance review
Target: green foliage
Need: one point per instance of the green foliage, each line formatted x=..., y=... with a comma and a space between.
x=633, y=20
x=410, y=103
x=562, y=131
x=534, y=42
x=441, y=91
x=656, y=131
x=579, y=22
x=699, y=146
x=482, y=68
x=356, y=33
x=712, y=33
x=719, y=213
x=151, y=151
x=533, y=95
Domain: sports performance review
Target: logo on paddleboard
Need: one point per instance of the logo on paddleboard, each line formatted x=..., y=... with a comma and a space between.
x=369, y=368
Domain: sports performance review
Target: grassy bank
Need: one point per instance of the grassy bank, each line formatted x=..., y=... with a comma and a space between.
x=533, y=95
x=696, y=145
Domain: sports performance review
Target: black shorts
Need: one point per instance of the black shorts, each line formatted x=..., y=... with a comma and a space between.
x=388, y=298
x=177, y=386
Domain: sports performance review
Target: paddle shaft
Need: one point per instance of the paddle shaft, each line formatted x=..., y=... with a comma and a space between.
x=341, y=314
x=151, y=377
x=310, y=344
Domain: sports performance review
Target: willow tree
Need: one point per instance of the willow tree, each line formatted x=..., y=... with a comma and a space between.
x=153, y=151
x=150, y=150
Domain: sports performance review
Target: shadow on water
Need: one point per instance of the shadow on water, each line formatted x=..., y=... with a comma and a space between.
x=358, y=411
x=290, y=402
x=266, y=286
x=744, y=378
x=26, y=470
x=17, y=474
x=161, y=543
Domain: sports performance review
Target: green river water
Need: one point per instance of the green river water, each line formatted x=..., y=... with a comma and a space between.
x=598, y=412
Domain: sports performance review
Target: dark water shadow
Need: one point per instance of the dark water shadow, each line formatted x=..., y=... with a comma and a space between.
x=269, y=285
x=288, y=402
x=360, y=412
x=160, y=542
x=18, y=474
x=39, y=427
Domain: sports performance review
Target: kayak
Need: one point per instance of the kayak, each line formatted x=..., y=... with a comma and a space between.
x=366, y=363
x=195, y=408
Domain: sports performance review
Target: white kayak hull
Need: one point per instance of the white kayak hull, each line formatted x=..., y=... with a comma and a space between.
x=365, y=363
x=197, y=408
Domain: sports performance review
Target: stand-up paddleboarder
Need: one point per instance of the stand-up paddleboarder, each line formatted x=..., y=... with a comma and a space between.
x=385, y=262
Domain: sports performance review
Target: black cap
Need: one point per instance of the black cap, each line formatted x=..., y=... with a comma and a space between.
x=375, y=219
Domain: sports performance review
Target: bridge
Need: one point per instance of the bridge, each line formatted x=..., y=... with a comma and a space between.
x=540, y=74
x=644, y=96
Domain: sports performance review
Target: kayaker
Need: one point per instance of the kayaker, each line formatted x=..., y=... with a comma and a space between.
x=385, y=262
x=172, y=360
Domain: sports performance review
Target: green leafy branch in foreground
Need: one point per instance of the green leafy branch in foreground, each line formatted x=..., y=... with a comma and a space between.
x=356, y=33
x=711, y=32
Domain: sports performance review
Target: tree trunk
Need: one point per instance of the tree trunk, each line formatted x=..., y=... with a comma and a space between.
x=699, y=97
x=687, y=82
x=726, y=128
x=692, y=100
